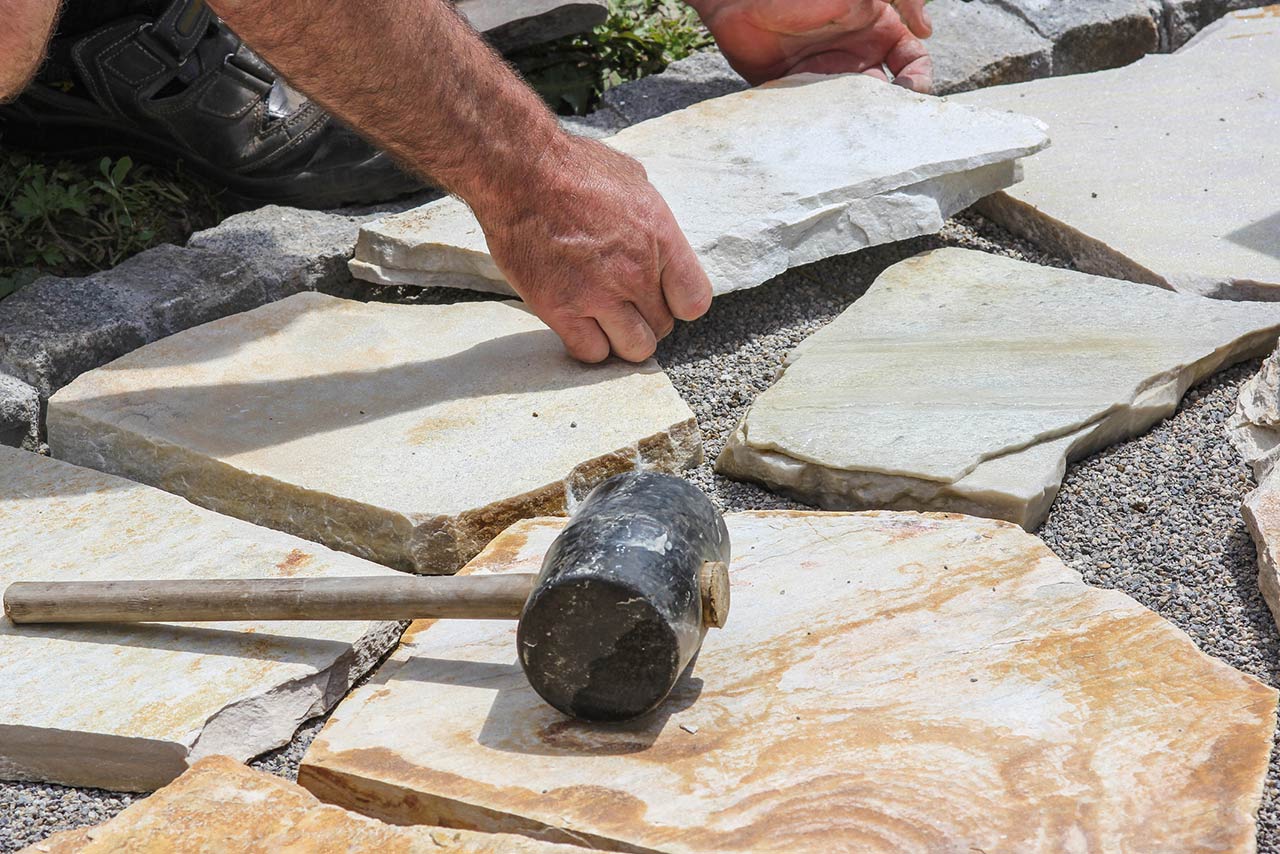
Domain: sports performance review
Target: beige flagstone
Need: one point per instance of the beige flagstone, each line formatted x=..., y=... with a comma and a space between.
x=126, y=707
x=965, y=381
x=409, y=435
x=1163, y=171
x=219, y=806
x=885, y=682
x=761, y=181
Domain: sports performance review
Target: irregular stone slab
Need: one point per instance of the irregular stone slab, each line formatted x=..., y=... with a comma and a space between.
x=127, y=707
x=1090, y=36
x=886, y=682
x=19, y=414
x=221, y=806
x=965, y=381
x=1009, y=50
x=803, y=182
x=410, y=435
x=1210, y=226
x=514, y=24
x=55, y=329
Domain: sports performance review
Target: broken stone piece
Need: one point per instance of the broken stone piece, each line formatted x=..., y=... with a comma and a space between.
x=965, y=381
x=761, y=181
x=514, y=24
x=409, y=435
x=885, y=682
x=220, y=805
x=127, y=707
x=1207, y=224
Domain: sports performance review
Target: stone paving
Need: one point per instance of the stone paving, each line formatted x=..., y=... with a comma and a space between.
x=1188, y=773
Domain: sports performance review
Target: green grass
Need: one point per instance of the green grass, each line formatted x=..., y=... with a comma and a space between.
x=68, y=218
x=72, y=218
x=640, y=37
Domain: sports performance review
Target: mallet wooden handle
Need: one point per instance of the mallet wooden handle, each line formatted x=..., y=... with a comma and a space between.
x=477, y=597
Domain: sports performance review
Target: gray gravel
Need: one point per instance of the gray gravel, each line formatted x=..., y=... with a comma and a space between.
x=1157, y=517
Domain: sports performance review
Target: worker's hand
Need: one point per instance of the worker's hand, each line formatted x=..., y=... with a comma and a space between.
x=593, y=249
x=767, y=39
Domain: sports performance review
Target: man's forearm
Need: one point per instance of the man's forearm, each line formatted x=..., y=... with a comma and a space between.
x=23, y=38
x=412, y=76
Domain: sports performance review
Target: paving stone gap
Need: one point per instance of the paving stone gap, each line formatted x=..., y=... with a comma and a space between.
x=761, y=181
x=965, y=381
x=514, y=24
x=834, y=710
x=221, y=806
x=409, y=435
x=126, y=708
x=1210, y=226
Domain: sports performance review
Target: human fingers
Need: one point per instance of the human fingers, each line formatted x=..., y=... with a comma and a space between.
x=629, y=336
x=914, y=16
x=583, y=338
x=684, y=283
x=911, y=65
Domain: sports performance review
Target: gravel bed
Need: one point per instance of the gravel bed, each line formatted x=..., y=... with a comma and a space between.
x=1157, y=517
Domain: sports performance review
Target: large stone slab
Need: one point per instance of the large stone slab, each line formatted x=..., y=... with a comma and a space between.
x=410, y=435
x=886, y=682
x=965, y=381
x=515, y=24
x=761, y=181
x=1008, y=50
x=127, y=707
x=1093, y=35
x=1102, y=195
x=219, y=806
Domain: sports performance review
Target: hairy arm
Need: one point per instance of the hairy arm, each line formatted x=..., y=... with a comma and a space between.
x=23, y=37
x=575, y=226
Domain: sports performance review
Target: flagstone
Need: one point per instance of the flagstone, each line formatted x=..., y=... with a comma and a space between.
x=966, y=381
x=409, y=435
x=515, y=24
x=885, y=682
x=126, y=707
x=219, y=806
x=1207, y=223
x=761, y=181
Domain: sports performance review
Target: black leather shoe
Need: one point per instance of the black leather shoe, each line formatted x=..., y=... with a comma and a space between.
x=183, y=87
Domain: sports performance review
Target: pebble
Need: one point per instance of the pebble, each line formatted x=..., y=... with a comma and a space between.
x=1157, y=517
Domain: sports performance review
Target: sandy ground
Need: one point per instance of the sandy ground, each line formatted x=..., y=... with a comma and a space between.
x=1157, y=517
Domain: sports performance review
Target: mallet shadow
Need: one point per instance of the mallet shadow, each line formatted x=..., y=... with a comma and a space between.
x=520, y=722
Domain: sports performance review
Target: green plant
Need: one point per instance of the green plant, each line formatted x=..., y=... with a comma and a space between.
x=640, y=37
x=69, y=219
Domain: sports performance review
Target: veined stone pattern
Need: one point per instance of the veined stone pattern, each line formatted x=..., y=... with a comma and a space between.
x=126, y=707
x=410, y=435
x=1209, y=223
x=221, y=806
x=885, y=682
x=761, y=181
x=965, y=381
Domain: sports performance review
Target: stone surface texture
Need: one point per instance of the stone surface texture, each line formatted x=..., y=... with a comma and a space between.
x=515, y=24
x=1209, y=226
x=126, y=707
x=964, y=381
x=761, y=181
x=977, y=44
x=885, y=682
x=410, y=435
x=55, y=329
x=1093, y=35
x=219, y=807
x=19, y=414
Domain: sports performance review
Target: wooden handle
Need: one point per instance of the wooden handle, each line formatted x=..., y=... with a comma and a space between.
x=476, y=597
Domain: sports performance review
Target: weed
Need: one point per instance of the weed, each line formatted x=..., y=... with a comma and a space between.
x=640, y=37
x=70, y=219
